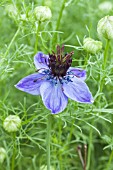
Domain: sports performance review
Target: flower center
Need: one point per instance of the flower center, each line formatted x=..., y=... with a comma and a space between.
x=60, y=62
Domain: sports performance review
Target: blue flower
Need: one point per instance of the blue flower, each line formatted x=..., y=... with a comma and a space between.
x=56, y=81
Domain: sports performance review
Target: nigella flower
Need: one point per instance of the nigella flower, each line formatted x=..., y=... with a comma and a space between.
x=56, y=81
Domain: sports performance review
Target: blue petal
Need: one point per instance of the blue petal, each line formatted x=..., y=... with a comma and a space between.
x=78, y=90
x=78, y=72
x=31, y=83
x=41, y=60
x=53, y=97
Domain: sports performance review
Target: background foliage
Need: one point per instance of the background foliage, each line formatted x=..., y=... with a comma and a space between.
x=79, y=124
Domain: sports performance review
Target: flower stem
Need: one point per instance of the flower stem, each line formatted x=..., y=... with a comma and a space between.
x=37, y=37
x=60, y=142
x=105, y=54
x=109, y=162
x=89, y=149
x=80, y=155
x=59, y=19
x=9, y=46
x=48, y=141
x=14, y=151
x=86, y=59
x=85, y=156
x=60, y=15
x=103, y=67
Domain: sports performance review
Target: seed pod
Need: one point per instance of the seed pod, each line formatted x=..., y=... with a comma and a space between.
x=11, y=10
x=105, y=27
x=42, y=13
x=105, y=7
x=12, y=123
x=91, y=45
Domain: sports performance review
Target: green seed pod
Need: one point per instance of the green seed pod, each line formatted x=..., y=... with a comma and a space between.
x=105, y=27
x=11, y=10
x=12, y=123
x=91, y=45
x=42, y=13
x=2, y=155
x=105, y=7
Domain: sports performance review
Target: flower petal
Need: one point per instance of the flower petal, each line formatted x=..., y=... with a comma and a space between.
x=41, y=60
x=53, y=97
x=78, y=90
x=78, y=72
x=31, y=83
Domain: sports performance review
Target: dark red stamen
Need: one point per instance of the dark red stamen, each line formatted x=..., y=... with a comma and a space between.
x=60, y=62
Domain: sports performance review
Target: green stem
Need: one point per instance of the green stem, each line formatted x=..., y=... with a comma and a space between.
x=103, y=68
x=48, y=141
x=9, y=46
x=85, y=156
x=86, y=59
x=14, y=152
x=61, y=149
x=60, y=15
x=71, y=133
x=89, y=150
x=110, y=159
x=59, y=19
x=60, y=142
x=105, y=54
x=37, y=37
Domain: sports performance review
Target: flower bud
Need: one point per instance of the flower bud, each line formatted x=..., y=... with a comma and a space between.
x=2, y=154
x=105, y=27
x=11, y=10
x=91, y=45
x=42, y=13
x=105, y=7
x=12, y=123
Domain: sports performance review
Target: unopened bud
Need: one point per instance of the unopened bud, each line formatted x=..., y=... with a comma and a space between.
x=91, y=45
x=12, y=123
x=105, y=27
x=42, y=13
x=2, y=154
x=105, y=7
x=11, y=10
